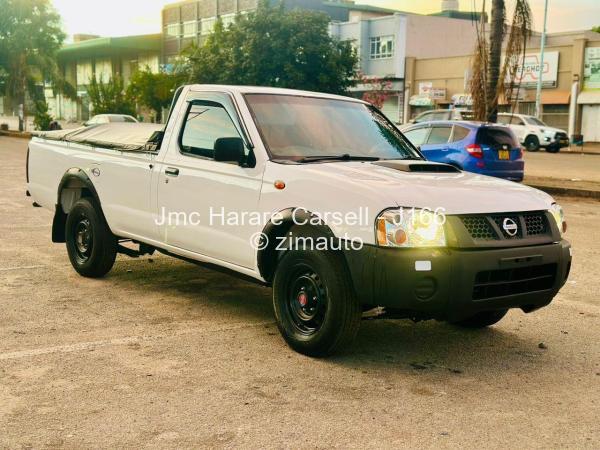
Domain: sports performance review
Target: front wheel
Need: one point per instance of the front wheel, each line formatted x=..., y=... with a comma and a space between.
x=91, y=246
x=482, y=319
x=532, y=143
x=553, y=149
x=315, y=305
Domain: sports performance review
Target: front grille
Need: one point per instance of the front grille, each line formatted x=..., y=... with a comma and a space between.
x=560, y=136
x=496, y=227
x=479, y=228
x=520, y=280
x=535, y=224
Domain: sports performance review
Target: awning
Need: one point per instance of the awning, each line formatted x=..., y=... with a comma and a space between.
x=589, y=97
x=556, y=97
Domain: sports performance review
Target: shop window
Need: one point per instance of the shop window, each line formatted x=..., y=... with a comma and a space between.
x=556, y=116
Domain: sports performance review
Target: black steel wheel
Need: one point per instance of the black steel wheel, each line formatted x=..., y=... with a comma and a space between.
x=91, y=246
x=315, y=306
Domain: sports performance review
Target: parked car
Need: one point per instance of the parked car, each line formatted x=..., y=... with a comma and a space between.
x=483, y=148
x=535, y=134
x=110, y=118
x=325, y=169
x=443, y=114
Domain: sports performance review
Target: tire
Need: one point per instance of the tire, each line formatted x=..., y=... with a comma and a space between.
x=532, y=143
x=315, y=306
x=482, y=319
x=553, y=149
x=91, y=246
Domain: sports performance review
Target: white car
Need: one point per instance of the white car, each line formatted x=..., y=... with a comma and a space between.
x=443, y=114
x=110, y=118
x=319, y=196
x=535, y=134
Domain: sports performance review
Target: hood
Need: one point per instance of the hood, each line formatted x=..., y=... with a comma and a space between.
x=457, y=193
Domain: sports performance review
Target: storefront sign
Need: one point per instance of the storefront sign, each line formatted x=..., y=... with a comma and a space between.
x=591, y=70
x=462, y=100
x=528, y=72
x=421, y=100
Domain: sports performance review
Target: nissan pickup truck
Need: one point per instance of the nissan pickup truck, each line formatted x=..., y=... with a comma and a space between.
x=319, y=196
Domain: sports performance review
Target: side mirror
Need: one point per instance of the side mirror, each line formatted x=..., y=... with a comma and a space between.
x=229, y=149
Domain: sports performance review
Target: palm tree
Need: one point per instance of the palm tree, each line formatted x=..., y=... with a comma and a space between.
x=492, y=78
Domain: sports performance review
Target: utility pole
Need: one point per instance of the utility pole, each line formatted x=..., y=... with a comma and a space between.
x=538, y=94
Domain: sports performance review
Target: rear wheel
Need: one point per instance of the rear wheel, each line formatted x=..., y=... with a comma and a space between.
x=315, y=305
x=91, y=246
x=532, y=143
x=482, y=319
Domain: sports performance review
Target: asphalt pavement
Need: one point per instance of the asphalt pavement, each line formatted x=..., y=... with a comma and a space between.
x=165, y=354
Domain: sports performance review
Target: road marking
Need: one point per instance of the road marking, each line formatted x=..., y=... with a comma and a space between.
x=90, y=345
x=6, y=269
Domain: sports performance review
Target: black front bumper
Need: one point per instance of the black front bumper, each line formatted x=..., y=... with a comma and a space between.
x=460, y=282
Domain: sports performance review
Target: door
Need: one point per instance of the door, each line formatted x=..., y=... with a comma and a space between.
x=207, y=206
x=436, y=147
x=517, y=125
x=591, y=123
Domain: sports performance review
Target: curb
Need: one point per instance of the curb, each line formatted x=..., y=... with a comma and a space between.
x=572, y=192
x=16, y=134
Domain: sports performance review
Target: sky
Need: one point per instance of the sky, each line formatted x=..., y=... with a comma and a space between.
x=125, y=17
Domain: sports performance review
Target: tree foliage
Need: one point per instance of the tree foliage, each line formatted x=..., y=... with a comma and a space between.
x=30, y=35
x=109, y=97
x=42, y=119
x=153, y=90
x=596, y=29
x=493, y=78
x=278, y=48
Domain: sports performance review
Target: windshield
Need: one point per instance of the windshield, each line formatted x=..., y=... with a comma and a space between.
x=296, y=128
x=534, y=121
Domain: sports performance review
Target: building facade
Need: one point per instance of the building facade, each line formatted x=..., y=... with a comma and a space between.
x=191, y=21
x=570, y=83
x=103, y=58
x=386, y=43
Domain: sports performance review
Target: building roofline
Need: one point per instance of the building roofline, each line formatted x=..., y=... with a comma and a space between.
x=89, y=47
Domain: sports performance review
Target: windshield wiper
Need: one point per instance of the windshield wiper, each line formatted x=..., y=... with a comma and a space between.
x=344, y=157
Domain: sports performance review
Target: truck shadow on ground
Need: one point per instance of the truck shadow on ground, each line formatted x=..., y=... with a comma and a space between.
x=424, y=347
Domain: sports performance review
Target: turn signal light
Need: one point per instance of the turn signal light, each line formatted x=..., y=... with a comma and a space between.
x=475, y=151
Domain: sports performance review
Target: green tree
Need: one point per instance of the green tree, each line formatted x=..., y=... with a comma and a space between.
x=153, y=90
x=109, y=97
x=490, y=75
x=30, y=35
x=596, y=29
x=274, y=47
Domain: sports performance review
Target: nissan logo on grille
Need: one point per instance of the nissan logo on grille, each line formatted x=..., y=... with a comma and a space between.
x=510, y=226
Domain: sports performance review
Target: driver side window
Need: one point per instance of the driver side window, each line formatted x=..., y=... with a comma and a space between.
x=205, y=122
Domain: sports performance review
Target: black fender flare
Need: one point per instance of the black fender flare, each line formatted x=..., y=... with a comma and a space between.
x=78, y=178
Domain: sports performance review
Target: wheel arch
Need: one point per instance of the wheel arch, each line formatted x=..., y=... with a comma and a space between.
x=74, y=184
x=268, y=257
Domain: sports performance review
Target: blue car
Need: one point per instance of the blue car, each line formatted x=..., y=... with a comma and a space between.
x=485, y=148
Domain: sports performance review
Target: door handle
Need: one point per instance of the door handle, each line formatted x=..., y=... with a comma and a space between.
x=171, y=171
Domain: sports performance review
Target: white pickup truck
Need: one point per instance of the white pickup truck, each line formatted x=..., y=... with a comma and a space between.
x=319, y=196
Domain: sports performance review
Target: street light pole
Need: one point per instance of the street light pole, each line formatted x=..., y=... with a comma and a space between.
x=538, y=94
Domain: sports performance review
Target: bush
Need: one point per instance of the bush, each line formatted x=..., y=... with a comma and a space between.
x=109, y=97
x=42, y=119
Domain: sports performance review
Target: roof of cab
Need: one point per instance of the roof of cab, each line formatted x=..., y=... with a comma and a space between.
x=268, y=90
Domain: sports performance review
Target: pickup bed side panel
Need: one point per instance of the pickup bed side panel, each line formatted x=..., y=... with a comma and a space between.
x=121, y=179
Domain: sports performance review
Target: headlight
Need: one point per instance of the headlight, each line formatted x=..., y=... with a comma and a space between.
x=559, y=216
x=410, y=228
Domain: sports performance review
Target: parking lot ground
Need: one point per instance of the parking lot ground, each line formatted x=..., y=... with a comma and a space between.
x=165, y=354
